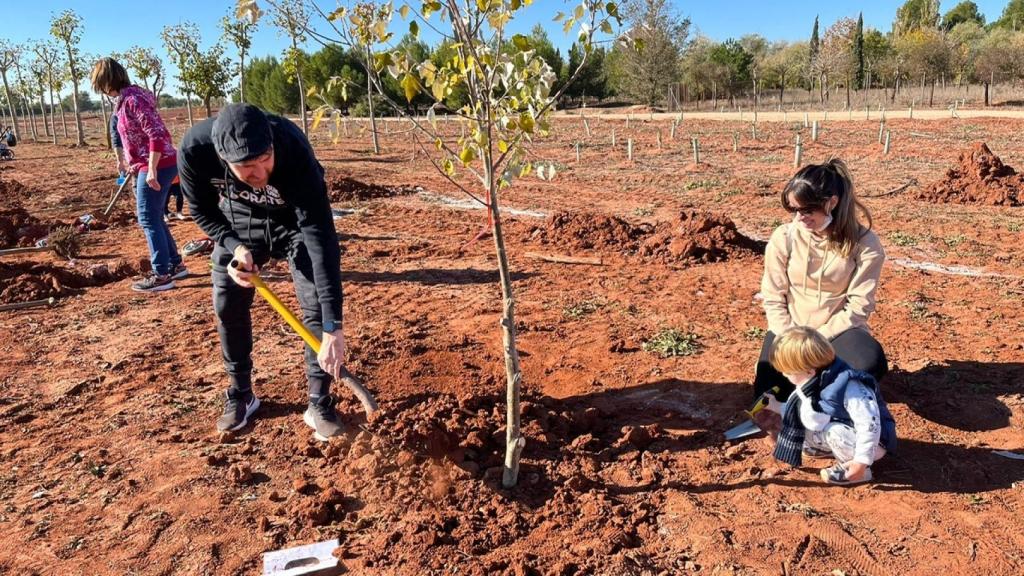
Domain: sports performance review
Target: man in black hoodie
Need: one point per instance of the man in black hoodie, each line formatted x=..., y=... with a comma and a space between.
x=254, y=186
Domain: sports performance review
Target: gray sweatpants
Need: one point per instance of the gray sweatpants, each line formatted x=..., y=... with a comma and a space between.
x=840, y=439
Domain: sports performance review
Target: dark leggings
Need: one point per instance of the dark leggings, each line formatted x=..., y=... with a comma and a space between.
x=855, y=346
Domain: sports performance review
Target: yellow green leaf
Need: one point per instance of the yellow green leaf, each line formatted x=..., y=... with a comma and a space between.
x=448, y=166
x=502, y=146
x=521, y=42
x=411, y=86
x=467, y=155
x=318, y=115
x=526, y=122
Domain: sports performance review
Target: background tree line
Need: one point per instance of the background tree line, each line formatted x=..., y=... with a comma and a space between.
x=664, y=65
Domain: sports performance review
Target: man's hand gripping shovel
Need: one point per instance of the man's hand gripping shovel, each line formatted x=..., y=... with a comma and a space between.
x=353, y=383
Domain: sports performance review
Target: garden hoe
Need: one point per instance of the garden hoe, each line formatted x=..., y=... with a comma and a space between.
x=120, y=189
x=758, y=421
x=353, y=383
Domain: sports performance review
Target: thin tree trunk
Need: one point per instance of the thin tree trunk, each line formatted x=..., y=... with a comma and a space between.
x=10, y=106
x=63, y=118
x=241, y=76
x=206, y=103
x=106, y=122
x=25, y=105
x=369, y=98
x=188, y=106
x=74, y=96
x=302, y=89
x=514, y=441
x=42, y=110
x=931, y=95
x=986, y=93
x=52, y=119
x=847, y=90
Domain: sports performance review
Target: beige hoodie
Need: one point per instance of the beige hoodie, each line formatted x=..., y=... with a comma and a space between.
x=806, y=283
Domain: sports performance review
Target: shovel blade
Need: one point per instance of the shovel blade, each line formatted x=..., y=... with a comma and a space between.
x=747, y=428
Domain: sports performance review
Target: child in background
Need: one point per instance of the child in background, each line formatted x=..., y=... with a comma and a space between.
x=835, y=411
x=179, y=203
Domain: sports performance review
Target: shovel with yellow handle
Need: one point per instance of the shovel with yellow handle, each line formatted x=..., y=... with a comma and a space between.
x=353, y=383
x=758, y=420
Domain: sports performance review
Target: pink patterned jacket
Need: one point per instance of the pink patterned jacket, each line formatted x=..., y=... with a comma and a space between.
x=142, y=130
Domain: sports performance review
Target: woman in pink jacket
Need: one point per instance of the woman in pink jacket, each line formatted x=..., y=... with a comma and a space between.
x=148, y=151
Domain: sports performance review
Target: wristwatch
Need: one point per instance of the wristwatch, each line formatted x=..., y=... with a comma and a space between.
x=331, y=326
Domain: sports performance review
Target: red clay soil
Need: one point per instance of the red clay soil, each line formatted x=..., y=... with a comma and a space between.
x=694, y=236
x=110, y=464
x=699, y=237
x=979, y=177
x=345, y=189
x=23, y=282
x=19, y=228
x=13, y=190
x=588, y=231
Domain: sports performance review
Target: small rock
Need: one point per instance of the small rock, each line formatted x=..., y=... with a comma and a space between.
x=216, y=460
x=638, y=436
x=405, y=458
x=735, y=452
x=303, y=486
x=240, y=473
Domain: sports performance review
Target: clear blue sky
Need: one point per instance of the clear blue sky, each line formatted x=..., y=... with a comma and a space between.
x=113, y=26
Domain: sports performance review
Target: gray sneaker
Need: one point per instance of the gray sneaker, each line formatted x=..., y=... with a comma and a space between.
x=836, y=474
x=154, y=283
x=239, y=405
x=179, y=272
x=323, y=419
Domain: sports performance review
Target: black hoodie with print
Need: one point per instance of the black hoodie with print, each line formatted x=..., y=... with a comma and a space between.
x=295, y=199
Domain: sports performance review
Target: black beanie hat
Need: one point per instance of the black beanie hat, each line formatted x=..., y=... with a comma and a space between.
x=241, y=132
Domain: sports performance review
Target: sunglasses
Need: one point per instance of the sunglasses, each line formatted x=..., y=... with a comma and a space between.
x=805, y=211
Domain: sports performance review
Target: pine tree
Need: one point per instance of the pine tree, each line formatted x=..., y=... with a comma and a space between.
x=815, y=42
x=858, y=53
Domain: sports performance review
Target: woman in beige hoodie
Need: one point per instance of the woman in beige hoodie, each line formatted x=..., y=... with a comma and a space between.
x=821, y=271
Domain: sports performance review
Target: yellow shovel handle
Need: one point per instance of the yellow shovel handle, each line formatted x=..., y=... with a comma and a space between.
x=285, y=313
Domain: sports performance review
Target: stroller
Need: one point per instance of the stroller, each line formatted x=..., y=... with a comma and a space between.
x=7, y=141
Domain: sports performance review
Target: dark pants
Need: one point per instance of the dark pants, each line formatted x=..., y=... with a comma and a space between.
x=855, y=346
x=232, y=302
x=179, y=202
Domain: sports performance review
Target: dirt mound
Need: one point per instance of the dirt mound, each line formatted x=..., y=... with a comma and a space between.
x=979, y=177
x=698, y=236
x=585, y=231
x=25, y=281
x=12, y=189
x=345, y=189
x=19, y=228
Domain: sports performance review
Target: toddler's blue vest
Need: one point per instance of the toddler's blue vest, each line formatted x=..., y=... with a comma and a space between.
x=834, y=381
